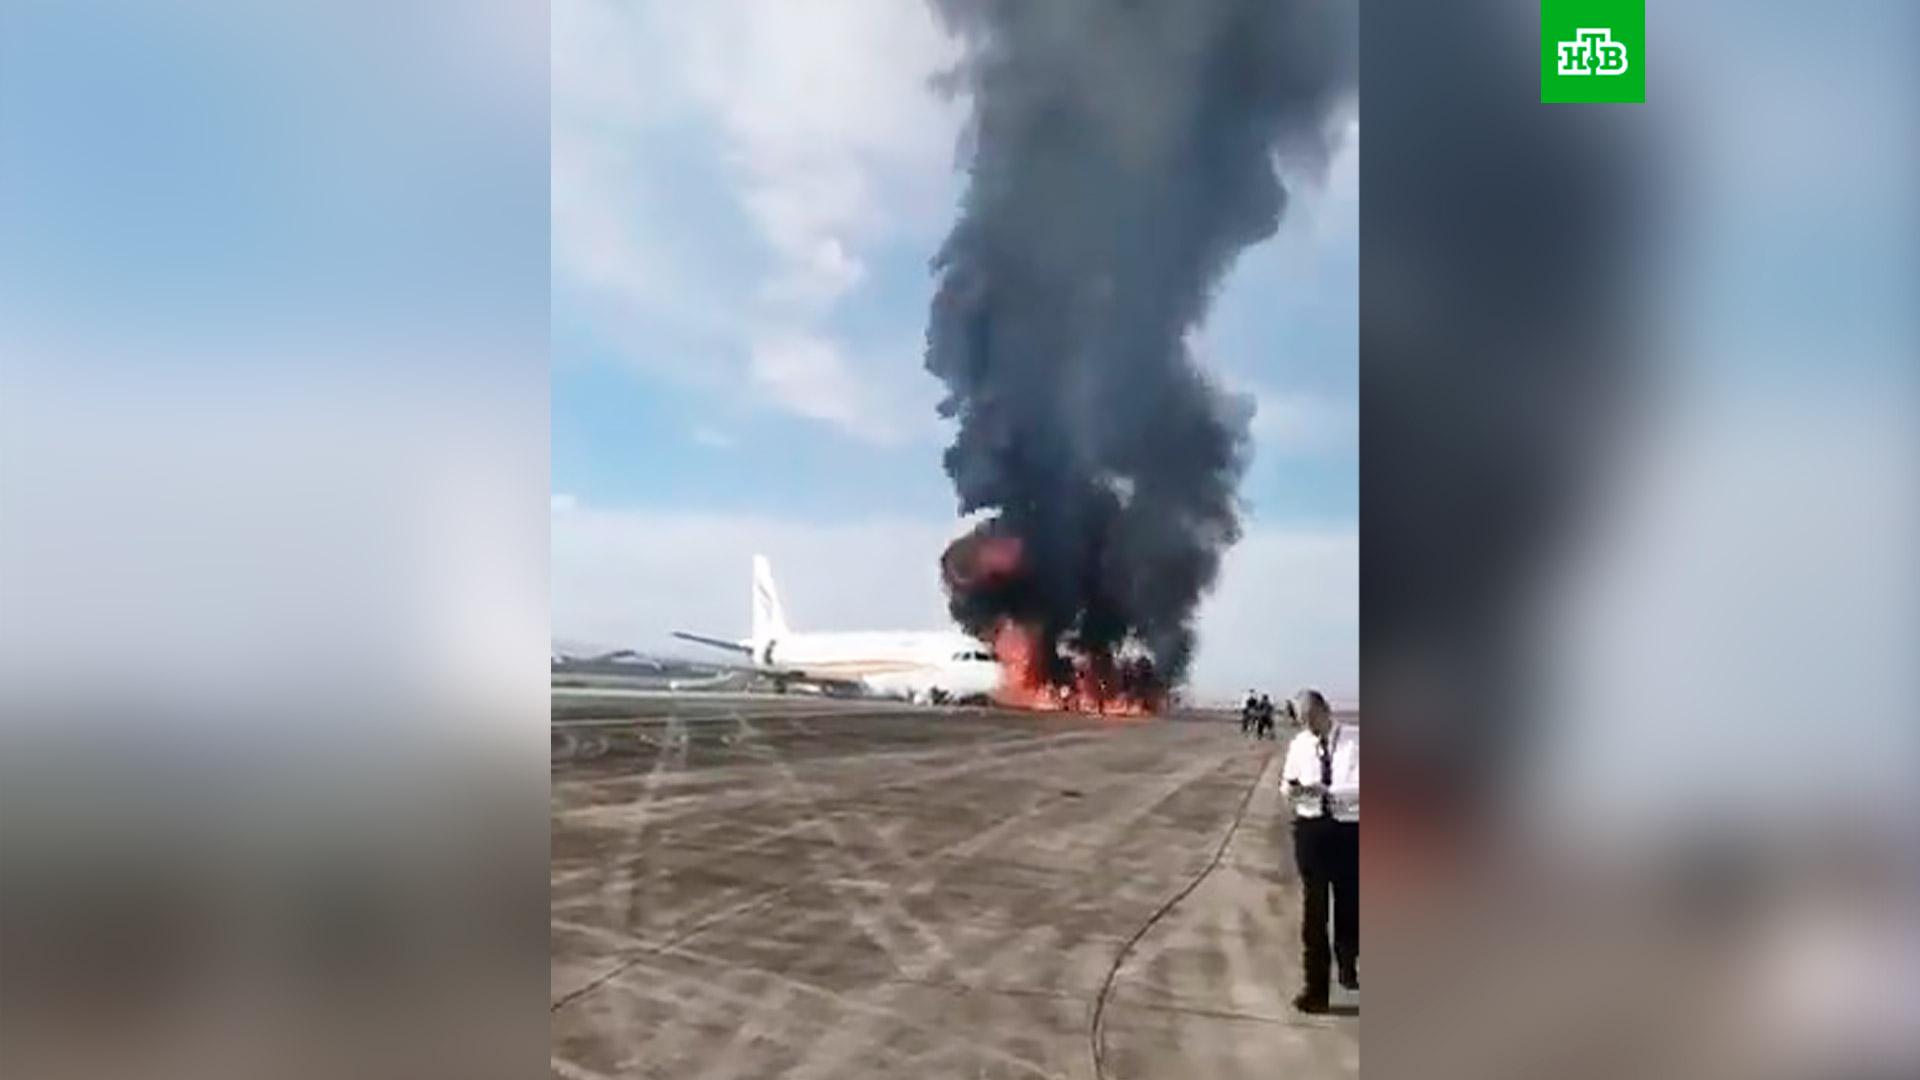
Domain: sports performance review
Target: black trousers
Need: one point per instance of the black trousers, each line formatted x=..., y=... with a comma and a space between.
x=1328, y=854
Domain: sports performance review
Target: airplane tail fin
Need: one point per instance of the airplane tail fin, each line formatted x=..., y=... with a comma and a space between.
x=769, y=619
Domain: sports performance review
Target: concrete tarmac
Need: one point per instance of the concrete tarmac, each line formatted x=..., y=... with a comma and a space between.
x=796, y=887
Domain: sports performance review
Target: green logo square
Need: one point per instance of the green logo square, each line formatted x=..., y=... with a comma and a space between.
x=1593, y=50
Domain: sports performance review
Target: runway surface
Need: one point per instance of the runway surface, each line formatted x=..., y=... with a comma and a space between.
x=757, y=887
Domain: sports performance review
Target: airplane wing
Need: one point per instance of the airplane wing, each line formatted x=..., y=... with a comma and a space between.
x=781, y=675
x=784, y=676
x=717, y=643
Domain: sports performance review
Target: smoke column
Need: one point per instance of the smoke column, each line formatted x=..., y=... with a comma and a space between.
x=1121, y=154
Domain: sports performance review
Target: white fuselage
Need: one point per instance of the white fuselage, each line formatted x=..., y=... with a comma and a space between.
x=916, y=665
x=923, y=666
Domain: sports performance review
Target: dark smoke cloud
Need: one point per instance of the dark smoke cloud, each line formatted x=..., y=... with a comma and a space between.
x=1121, y=154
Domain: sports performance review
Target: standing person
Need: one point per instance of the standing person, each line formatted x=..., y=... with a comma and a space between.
x=1322, y=775
x=1263, y=728
x=1247, y=713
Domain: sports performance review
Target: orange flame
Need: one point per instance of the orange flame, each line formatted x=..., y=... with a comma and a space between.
x=1096, y=687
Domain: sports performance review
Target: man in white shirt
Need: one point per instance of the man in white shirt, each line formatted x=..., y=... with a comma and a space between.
x=1322, y=775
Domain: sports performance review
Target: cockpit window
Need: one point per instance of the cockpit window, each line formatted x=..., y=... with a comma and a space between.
x=974, y=654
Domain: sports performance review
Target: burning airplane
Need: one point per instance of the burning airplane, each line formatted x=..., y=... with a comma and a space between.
x=1121, y=155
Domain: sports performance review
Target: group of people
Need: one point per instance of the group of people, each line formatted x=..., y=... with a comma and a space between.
x=1321, y=774
x=1257, y=715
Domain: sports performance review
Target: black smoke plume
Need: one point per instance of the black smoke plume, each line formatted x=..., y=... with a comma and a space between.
x=1121, y=154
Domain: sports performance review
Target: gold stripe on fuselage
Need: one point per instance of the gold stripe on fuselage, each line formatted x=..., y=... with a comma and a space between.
x=864, y=667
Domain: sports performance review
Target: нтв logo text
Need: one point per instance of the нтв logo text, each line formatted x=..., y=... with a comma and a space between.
x=1592, y=52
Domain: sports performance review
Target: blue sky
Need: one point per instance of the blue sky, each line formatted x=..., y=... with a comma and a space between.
x=206, y=173
x=627, y=435
x=745, y=199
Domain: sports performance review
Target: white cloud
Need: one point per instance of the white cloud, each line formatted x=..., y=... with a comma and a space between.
x=831, y=147
x=883, y=401
x=819, y=271
x=826, y=109
x=605, y=66
x=612, y=92
x=810, y=376
x=599, y=239
x=1285, y=614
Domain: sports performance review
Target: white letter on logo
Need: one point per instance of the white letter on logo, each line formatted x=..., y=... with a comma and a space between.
x=1570, y=58
x=1613, y=58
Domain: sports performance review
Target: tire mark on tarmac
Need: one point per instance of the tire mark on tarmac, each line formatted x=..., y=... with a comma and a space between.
x=805, y=792
x=943, y=765
x=915, y=876
x=900, y=873
x=1097, y=1032
x=848, y=1002
x=828, y=1053
x=717, y=774
x=901, y=866
x=567, y=1070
